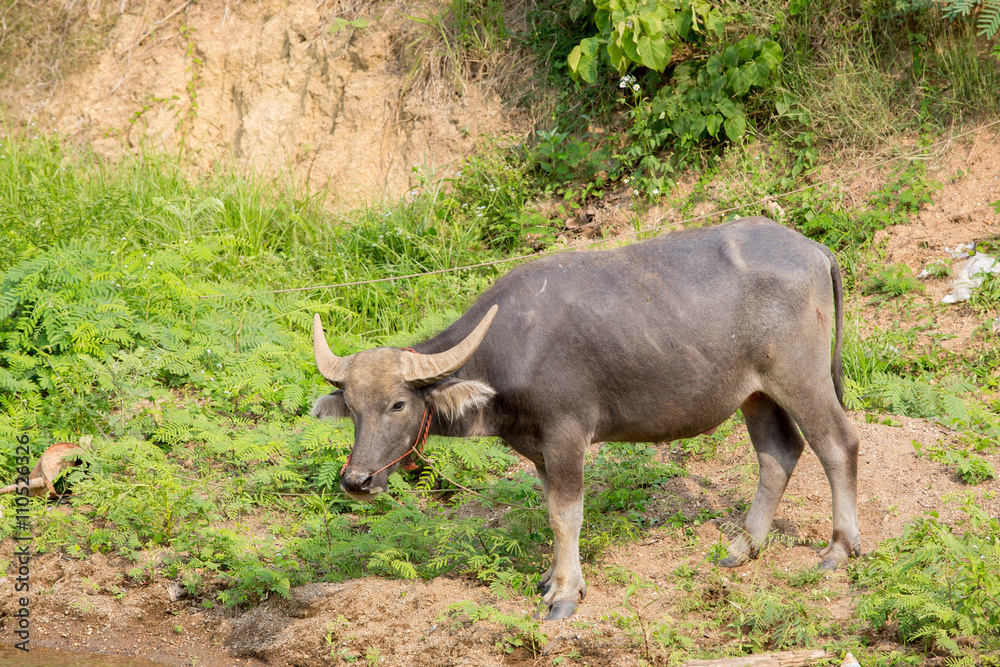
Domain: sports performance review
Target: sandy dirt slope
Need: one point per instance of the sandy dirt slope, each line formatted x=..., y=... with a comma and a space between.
x=337, y=94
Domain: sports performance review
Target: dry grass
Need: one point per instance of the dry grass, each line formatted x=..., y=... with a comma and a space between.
x=473, y=42
x=44, y=41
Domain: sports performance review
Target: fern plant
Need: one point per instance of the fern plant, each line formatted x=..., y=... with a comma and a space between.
x=988, y=21
x=939, y=585
x=949, y=400
x=524, y=631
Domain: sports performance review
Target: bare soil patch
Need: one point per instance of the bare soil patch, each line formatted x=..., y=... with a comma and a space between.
x=89, y=605
x=333, y=93
x=959, y=213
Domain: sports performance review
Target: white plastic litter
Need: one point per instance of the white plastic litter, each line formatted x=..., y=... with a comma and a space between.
x=962, y=250
x=850, y=661
x=971, y=275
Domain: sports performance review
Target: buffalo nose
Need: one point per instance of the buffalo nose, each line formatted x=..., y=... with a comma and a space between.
x=356, y=482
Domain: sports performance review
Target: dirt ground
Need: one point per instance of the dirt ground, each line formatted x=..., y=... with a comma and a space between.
x=83, y=605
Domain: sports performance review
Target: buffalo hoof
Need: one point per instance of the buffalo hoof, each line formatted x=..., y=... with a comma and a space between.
x=544, y=586
x=561, y=609
x=828, y=565
x=731, y=561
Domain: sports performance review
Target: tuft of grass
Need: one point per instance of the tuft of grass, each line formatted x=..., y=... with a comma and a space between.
x=472, y=41
x=985, y=299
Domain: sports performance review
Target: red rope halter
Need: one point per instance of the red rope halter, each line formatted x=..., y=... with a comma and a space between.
x=417, y=446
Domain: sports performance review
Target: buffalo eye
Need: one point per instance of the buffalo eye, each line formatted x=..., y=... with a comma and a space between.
x=398, y=406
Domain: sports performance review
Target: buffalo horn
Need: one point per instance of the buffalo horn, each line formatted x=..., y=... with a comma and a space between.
x=330, y=366
x=425, y=369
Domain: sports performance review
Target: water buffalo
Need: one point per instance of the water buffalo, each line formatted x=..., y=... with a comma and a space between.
x=650, y=342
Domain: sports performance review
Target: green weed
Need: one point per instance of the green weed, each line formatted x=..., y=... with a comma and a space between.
x=661, y=639
x=764, y=621
x=936, y=585
x=985, y=299
x=522, y=630
x=801, y=578
x=969, y=466
x=938, y=269
x=893, y=281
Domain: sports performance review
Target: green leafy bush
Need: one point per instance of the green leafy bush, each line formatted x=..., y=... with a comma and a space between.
x=705, y=100
x=641, y=33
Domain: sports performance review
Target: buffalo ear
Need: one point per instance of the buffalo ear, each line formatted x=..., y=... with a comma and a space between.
x=454, y=398
x=331, y=406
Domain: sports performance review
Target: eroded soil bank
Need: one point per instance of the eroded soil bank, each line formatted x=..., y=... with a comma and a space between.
x=341, y=98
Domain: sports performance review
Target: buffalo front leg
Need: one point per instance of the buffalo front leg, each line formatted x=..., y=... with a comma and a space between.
x=545, y=582
x=778, y=445
x=562, y=480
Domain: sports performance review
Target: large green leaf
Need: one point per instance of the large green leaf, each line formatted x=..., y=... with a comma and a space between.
x=728, y=108
x=714, y=122
x=582, y=61
x=735, y=127
x=759, y=73
x=654, y=52
x=770, y=53
x=738, y=81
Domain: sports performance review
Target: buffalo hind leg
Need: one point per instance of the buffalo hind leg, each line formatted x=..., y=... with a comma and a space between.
x=835, y=440
x=778, y=445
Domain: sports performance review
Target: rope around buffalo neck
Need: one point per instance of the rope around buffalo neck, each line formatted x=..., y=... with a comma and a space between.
x=417, y=449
